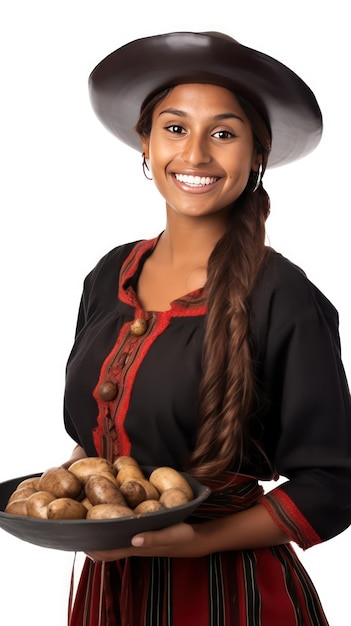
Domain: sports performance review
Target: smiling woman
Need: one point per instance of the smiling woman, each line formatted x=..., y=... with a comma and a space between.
x=225, y=377
x=221, y=357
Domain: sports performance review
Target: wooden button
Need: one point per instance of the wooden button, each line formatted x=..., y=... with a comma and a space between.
x=138, y=327
x=108, y=391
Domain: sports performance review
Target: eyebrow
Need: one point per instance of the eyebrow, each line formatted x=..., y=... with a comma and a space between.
x=217, y=118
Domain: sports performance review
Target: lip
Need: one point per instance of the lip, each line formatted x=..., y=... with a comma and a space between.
x=195, y=182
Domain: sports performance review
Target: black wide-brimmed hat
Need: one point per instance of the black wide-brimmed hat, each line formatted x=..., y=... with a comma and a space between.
x=120, y=84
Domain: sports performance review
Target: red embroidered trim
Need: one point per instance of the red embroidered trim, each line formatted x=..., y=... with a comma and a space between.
x=105, y=435
x=289, y=518
x=157, y=326
x=130, y=267
x=121, y=365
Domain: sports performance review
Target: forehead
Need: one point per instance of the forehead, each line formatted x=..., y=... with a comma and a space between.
x=208, y=97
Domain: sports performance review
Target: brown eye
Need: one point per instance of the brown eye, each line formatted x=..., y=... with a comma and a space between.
x=223, y=134
x=174, y=128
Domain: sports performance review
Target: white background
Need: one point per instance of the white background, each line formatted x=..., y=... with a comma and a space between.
x=70, y=192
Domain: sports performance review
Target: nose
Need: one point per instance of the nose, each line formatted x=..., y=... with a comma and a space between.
x=196, y=150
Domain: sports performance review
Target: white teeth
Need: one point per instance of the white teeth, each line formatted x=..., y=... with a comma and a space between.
x=197, y=181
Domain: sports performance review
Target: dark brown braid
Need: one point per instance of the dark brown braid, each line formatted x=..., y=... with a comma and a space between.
x=228, y=392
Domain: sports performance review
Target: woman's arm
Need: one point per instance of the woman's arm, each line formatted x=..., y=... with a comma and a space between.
x=250, y=529
x=307, y=426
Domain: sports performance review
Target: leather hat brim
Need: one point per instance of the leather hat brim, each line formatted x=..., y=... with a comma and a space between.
x=122, y=81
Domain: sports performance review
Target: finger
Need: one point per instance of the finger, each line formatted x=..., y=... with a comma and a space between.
x=111, y=555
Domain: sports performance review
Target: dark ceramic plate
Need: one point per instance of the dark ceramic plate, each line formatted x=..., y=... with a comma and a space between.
x=90, y=535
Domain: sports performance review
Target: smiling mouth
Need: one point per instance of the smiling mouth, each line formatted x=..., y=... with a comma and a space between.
x=196, y=181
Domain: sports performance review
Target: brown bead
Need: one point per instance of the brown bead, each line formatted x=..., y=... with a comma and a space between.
x=108, y=391
x=138, y=327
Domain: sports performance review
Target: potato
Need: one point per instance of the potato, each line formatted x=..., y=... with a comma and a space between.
x=17, y=507
x=37, y=504
x=148, y=506
x=86, y=467
x=129, y=472
x=66, y=508
x=30, y=482
x=151, y=492
x=167, y=477
x=94, y=488
x=134, y=492
x=138, y=490
x=100, y=490
x=173, y=497
x=22, y=493
x=109, y=511
x=109, y=476
x=60, y=482
x=123, y=461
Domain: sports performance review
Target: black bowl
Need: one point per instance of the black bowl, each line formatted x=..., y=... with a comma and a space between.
x=89, y=535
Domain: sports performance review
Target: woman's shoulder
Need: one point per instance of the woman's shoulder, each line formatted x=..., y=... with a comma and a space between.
x=109, y=265
x=284, y=289
x=279, y=272
x=114, y=256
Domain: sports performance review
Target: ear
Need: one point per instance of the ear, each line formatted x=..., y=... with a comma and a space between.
x=256, y=161
x=145, y=146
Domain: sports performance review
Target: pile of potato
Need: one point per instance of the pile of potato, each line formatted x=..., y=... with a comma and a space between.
x=94, y=488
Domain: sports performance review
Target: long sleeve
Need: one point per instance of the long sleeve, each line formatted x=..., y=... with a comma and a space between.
x=308, y=420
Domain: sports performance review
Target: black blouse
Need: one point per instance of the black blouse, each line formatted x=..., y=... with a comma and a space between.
x=305, y=429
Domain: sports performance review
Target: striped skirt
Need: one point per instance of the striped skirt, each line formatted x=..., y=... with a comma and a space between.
x=262, y=587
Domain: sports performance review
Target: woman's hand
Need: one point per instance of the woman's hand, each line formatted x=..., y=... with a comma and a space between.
x=78, y=453
x=180, y=540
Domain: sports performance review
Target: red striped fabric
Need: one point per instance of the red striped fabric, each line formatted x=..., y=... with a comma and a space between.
x=263, y=587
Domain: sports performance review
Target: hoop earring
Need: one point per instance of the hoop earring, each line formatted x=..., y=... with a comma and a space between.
x=259, y=178
x=145, y=167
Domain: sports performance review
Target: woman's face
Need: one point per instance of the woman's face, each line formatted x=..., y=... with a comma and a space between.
x=200, y=149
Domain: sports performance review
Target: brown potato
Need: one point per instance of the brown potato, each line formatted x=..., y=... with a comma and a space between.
x=109, y=476
x=29, y=482
x=17, y=507
x=37, y=504
x=124, y=461
x=86, y=467
x=151, y=492
x=167, y=477
x=20, y=494
x=173, y=497
x=129, y=472
x=60, y=482
x=66, y=508
x=138, y=490
x=134, y=492
x=109, y=511
x=100, y=490
x=148, y=506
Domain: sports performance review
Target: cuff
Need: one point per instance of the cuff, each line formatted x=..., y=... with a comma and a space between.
x=289, y=518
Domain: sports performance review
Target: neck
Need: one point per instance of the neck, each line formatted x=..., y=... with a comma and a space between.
x=190, y=241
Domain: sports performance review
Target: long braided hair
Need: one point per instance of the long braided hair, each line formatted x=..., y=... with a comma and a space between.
x=228, y=395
